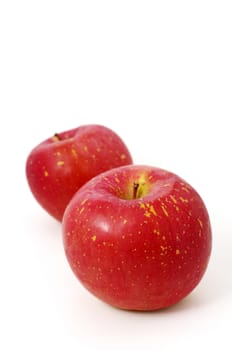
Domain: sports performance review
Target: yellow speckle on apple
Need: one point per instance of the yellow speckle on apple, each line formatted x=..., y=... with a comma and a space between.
x=74, y=152
x=152, y=210
x=60, y=163
x=200, y=222
x=164, y=210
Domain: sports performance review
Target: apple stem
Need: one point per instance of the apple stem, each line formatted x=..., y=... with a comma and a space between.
x=135, y=190
x=56, y=137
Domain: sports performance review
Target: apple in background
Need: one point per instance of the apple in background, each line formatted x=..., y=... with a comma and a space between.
x=60, y=165
x=137, y=237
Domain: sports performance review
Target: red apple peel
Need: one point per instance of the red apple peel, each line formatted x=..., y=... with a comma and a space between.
x=138, y=237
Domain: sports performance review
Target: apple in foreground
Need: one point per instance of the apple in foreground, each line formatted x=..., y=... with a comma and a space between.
x=60, y=165
x=137, y=237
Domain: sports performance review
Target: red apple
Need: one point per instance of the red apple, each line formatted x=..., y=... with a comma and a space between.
x=60, y=165
x=137, y=237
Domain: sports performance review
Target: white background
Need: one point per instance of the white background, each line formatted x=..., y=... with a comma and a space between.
x=159, y=73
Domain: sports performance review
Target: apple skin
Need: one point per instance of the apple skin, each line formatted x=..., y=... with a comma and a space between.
x=60, y=165
x=137, y=237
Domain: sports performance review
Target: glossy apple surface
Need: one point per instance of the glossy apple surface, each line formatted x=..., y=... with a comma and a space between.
x=137, y=237
x=60, y=165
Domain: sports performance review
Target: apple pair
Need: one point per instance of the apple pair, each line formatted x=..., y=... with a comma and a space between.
x=137, y=237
